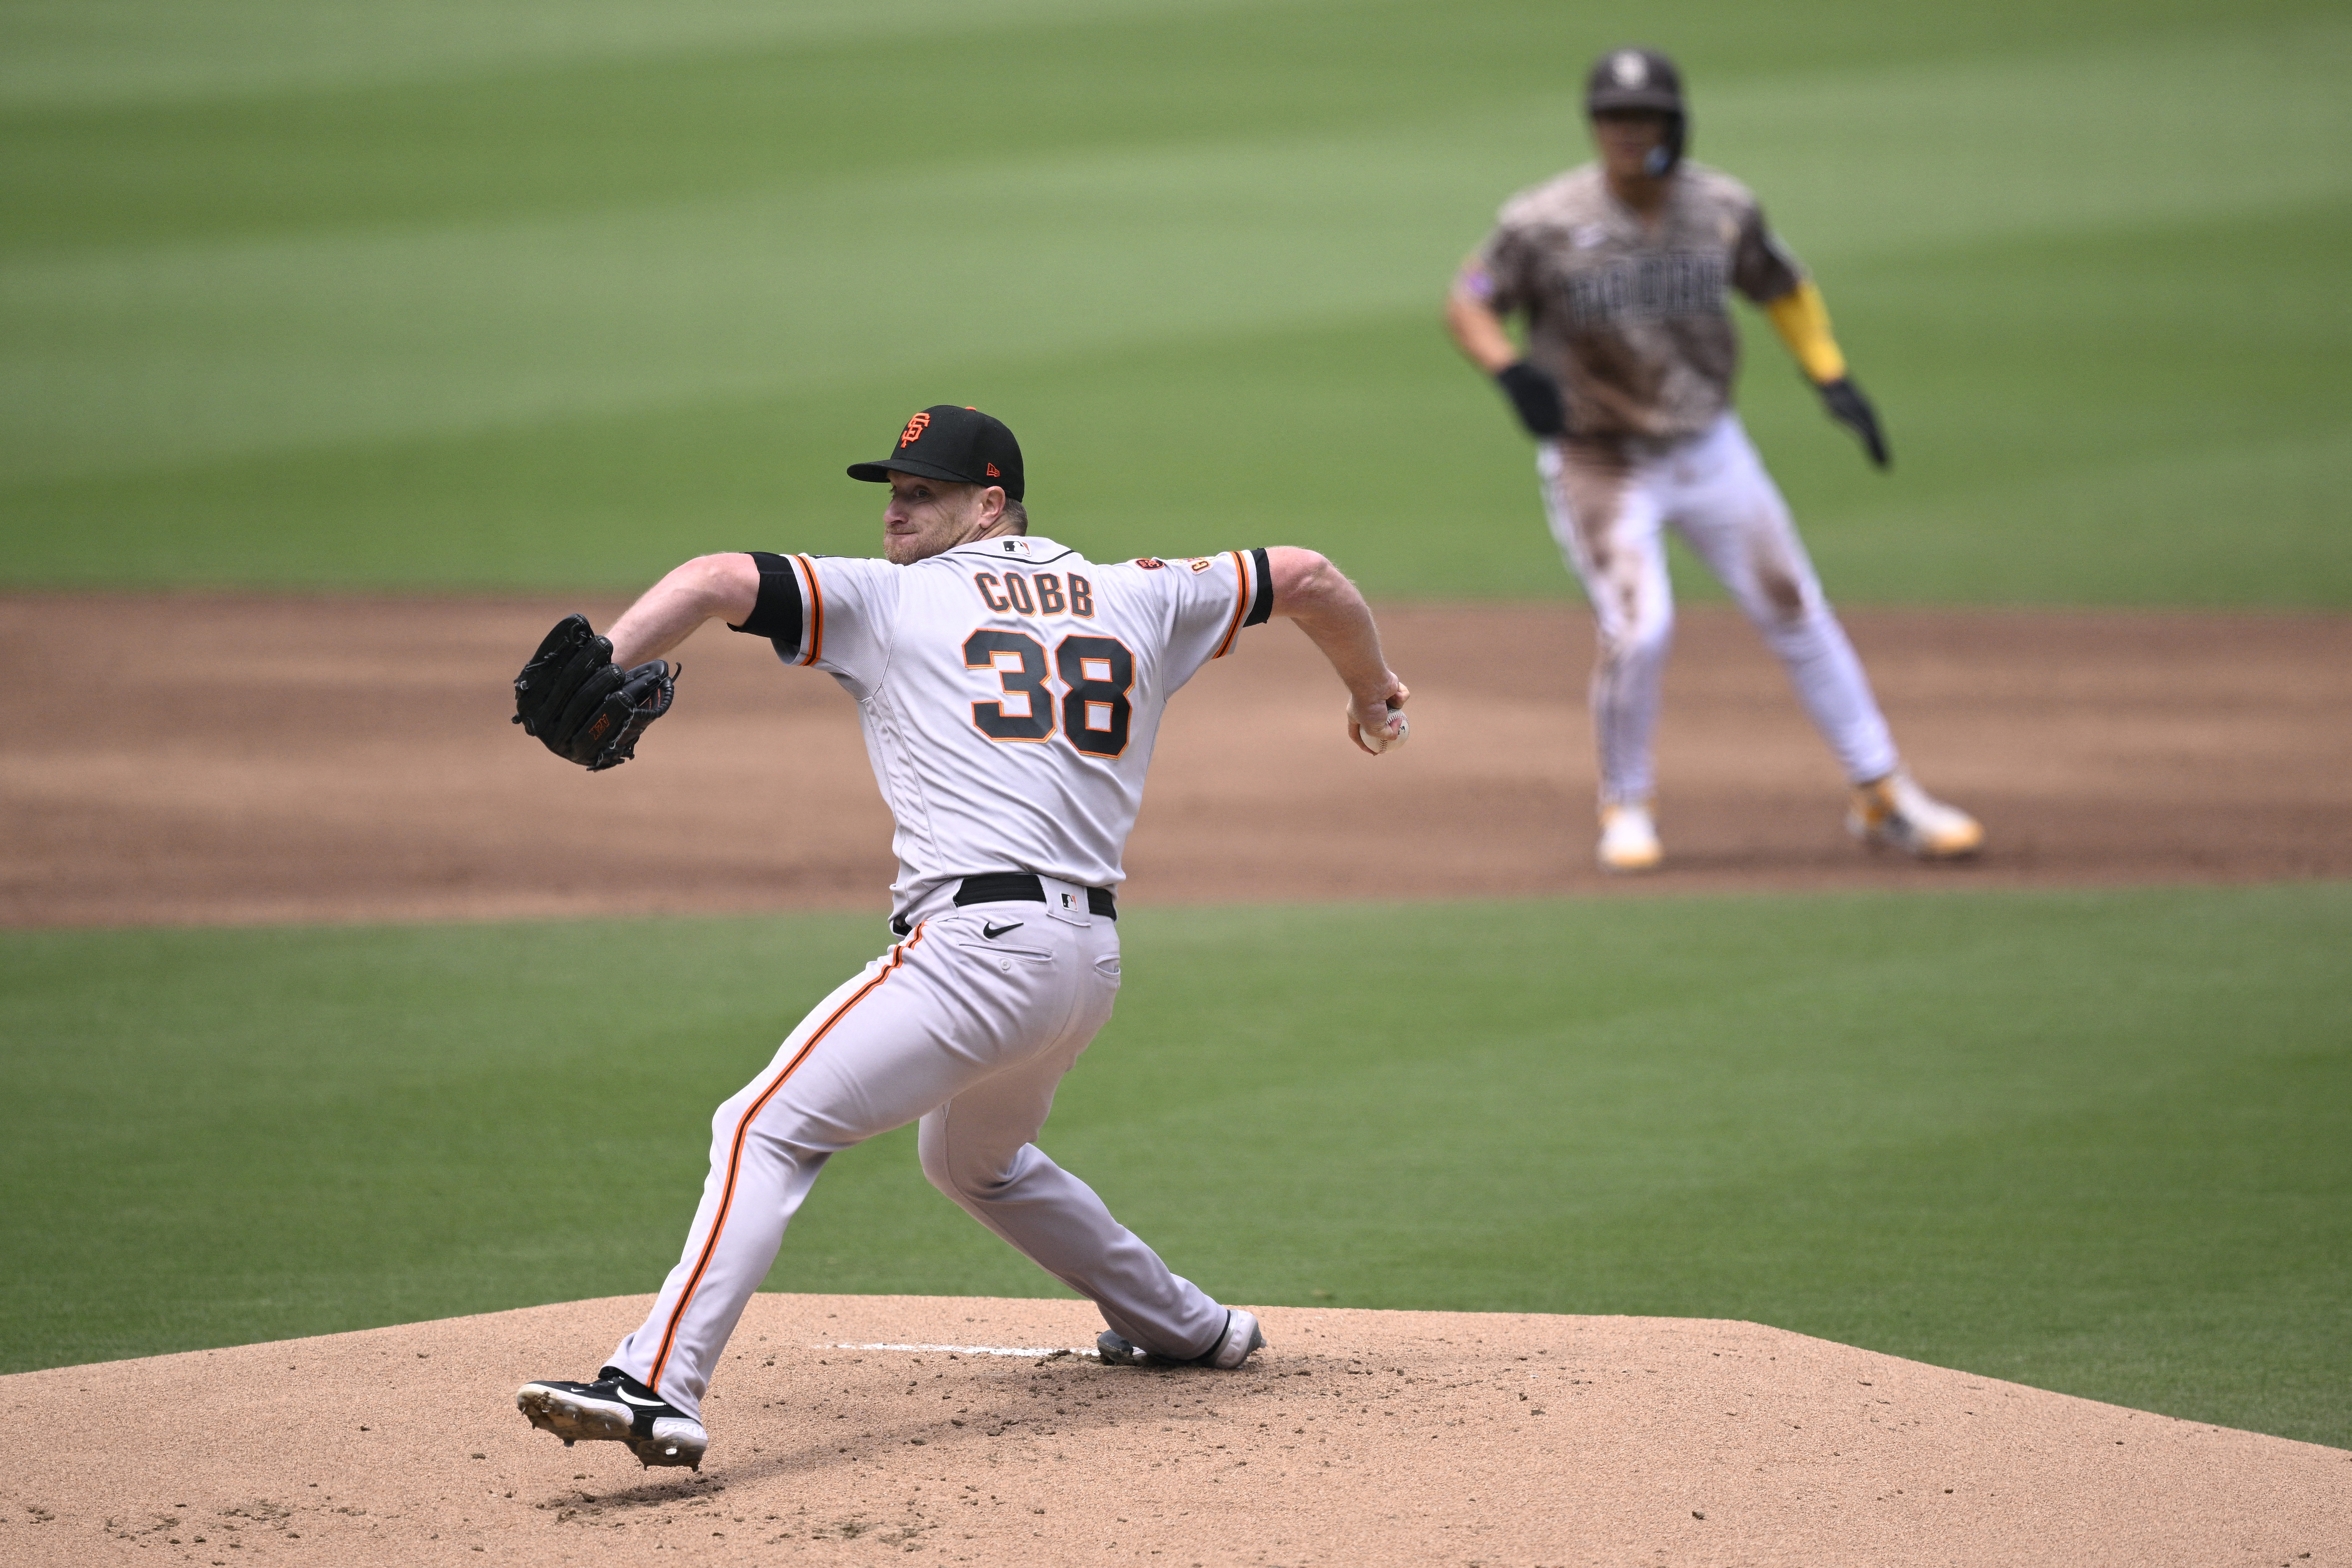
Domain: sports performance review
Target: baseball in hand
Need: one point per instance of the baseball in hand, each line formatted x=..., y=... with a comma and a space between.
x=1377, y=739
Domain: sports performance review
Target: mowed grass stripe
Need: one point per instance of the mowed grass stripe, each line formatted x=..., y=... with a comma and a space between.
x=109, y=54
x=2219, y=485
x=145, y=354
x=275, y=337
x=2096, y=1141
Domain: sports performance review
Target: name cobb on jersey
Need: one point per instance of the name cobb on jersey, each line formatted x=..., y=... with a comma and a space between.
x=1012, y=590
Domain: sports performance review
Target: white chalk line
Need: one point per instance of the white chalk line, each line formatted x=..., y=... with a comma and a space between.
x=977, y=1350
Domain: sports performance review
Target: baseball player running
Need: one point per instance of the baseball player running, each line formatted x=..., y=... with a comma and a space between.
x=1010, y=691
x=1620, y=270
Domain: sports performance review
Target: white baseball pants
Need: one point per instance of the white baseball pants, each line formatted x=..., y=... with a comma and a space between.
x=969, y=1035
x=1609, y=504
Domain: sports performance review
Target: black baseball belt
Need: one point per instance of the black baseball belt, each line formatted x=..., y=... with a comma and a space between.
x=1015, y=888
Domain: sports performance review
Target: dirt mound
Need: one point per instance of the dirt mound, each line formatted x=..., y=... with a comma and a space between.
x=861, y=1429
x=214, y=759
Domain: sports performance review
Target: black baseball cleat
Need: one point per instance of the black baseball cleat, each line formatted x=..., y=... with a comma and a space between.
x=1233, y=1347
x=617, y=1407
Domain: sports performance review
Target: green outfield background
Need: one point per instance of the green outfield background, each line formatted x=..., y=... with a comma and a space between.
x=2098, y=1141
x=441, y=293
x=444, y=295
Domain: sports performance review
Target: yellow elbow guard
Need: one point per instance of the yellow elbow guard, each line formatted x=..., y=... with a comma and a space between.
x=1803, y=322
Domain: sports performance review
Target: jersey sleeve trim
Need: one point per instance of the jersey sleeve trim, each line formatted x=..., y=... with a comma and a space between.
x=1241, y=602
x=1262, y=602
x=816, y=649
x=776, y=613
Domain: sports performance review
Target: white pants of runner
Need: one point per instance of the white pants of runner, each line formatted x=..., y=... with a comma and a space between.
x=1610, y=503
x=970, y=1036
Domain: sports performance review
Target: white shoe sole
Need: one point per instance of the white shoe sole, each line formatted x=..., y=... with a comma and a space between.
x=673, y=1447
x=1242, y=1338
x=1892, y=835
x=1629, y=841
x=575, y=1419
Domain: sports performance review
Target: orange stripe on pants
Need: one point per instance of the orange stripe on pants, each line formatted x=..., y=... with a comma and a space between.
x=735, y=1153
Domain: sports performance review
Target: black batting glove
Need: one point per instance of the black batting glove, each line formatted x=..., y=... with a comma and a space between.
x=1850, y=408
x=1536, y=397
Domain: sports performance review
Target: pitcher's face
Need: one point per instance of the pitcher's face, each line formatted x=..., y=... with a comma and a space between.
x=925, y=517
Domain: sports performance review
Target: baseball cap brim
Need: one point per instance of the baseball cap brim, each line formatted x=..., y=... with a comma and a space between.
x=879, y=473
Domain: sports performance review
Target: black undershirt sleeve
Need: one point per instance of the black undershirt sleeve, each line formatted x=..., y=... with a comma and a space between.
x=776, y=614
x=1262, y=602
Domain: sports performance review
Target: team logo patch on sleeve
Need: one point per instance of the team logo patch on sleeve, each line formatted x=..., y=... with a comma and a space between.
x=1149, y=562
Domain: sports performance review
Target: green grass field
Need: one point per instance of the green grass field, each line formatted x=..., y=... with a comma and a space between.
x=2098, y=1143
x=428, y=295
x=441, y=295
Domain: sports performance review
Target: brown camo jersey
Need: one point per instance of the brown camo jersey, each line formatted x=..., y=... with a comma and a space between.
x=1630, y=316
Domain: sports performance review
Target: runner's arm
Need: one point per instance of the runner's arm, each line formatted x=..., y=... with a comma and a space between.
x=1479, y=331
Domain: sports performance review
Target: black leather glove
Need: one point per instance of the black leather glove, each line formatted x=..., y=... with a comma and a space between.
x=1536, y=397
x=1850, y=408
x=581, y=705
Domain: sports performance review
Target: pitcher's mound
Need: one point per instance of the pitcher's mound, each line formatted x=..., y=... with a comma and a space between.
x=867, y=1428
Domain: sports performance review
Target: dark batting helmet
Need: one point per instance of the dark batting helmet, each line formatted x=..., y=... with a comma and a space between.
x=1644, y=80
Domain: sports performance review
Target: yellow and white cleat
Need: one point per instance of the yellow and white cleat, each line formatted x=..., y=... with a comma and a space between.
x=1629, y=839
x=1898, y=813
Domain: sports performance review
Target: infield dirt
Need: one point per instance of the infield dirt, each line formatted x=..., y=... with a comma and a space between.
x=874, y=1428
x=196, y=759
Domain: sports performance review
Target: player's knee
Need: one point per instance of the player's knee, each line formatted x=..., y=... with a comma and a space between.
x=1782, y=599
x=933, y=1152
x=730, y=1113
x=939, y=1169
x=962, y=1185
x=965, y=1179
x=1636, y=639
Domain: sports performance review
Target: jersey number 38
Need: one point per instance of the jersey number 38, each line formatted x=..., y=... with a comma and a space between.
x=1097, y=673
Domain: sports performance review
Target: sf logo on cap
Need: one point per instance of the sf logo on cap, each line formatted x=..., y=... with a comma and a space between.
x=915, y=427
x=1628, y=69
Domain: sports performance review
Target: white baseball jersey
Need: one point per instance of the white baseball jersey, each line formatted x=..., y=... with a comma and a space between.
x=1010, y=692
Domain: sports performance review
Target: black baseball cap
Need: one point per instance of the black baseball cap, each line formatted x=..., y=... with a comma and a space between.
x=959, y=444
x=1633, y=79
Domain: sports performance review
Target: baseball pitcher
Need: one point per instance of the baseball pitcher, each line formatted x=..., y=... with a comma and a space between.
x=1620, y=270
x=1010, y=691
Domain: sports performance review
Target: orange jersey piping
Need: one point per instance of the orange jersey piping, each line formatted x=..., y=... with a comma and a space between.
x=816, y=615
x=735, y=1152
x=1241, y=602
